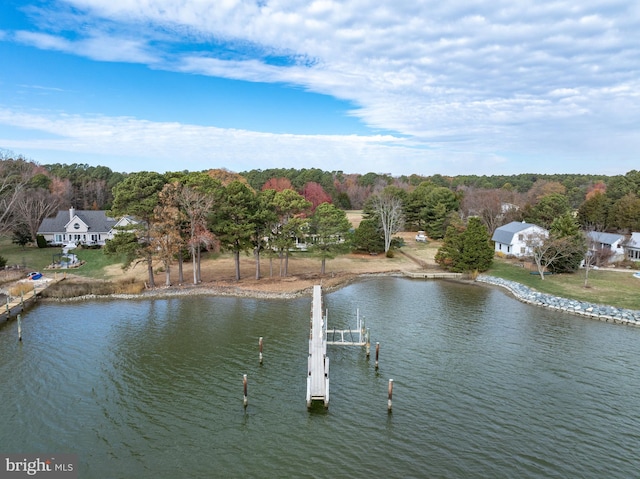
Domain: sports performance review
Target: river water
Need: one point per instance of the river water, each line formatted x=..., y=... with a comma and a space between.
x=484, y=386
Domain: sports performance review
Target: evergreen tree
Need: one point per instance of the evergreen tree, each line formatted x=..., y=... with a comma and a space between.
x=625, y=213
x=466, y=249
x=547, y=209
x=593, y=212
x=234, y=220
x=572, y=241
x=330, y=231
x=368, y=237
x=138, y=196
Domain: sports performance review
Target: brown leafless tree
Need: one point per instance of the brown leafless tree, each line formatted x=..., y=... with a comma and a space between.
x=32, y=206
x=545, y=250
x=14, y=179
x=389, y=209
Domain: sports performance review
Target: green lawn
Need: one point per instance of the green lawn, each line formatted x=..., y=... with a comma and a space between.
x=37, y=259
x=615, y=288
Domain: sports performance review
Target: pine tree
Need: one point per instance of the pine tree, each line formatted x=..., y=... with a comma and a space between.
x=466, y=249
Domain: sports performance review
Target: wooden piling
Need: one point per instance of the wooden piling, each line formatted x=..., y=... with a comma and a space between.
x=245, y=401
x=260, y=348
x=389, y=401
x=377, y=353
x=368, y=344
x=19, y=328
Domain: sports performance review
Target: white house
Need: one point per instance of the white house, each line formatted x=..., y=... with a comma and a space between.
x=608, y=245
x=512, y=238
x=88, y=227
x=632, y=247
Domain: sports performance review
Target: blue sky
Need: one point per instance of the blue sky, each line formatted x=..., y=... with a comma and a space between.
x=398, y=87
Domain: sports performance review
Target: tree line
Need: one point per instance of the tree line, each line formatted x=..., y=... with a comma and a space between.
x=181, y=214
x=231, y=211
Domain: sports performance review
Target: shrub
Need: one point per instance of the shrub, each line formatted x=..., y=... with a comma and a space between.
x=41, y=242
x=21, y=288
x=78, y=287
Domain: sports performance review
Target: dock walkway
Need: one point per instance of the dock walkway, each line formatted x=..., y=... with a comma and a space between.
x=17, y=304
x=318, y=362
x=318, y=370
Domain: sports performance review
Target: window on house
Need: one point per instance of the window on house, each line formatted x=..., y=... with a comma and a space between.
x=523, y=250
x=520, y=237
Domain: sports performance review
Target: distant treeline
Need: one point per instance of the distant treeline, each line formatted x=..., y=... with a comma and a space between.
x=91, y=187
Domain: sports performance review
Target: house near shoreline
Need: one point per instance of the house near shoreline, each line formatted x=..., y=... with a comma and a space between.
x=608, y=246
x=632, y=247
x=512, y=238
x=81, y=227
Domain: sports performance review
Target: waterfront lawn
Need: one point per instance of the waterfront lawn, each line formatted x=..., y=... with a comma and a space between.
x=614, y=288
x=37, y=259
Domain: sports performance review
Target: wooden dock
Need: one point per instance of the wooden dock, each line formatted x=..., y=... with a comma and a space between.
x=318, y=362
x=17, y=304
x=431, y=275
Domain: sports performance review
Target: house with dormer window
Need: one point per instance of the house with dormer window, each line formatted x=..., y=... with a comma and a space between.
x=81, y=227
x=513, y=238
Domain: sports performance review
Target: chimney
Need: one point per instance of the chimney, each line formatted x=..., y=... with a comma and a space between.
x=72, y=213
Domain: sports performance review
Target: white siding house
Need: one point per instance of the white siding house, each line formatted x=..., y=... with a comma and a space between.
x=632, y=247
x=87, y=227
x=610, y=245
x=512, y=238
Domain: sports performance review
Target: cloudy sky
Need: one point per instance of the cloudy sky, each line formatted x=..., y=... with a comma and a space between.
x=389, y=86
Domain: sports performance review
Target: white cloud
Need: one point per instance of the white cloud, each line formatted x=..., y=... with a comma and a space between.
x=465, y=77
x=97, y=46
x=196, y=147
x=130, y=144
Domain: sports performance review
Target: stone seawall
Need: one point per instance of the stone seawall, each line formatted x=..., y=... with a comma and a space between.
x=601, y=312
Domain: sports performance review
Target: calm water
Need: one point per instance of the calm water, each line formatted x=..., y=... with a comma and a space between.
x=484, y=387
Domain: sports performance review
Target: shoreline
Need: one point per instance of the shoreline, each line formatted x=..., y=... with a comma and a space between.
x=609, y=314
x=226, y=289
x=258, y=290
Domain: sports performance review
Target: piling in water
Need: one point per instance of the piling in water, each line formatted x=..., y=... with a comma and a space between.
x=389, y=401
x=244, y=384
x=260, y=347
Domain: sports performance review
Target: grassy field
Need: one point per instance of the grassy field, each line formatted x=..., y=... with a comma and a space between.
x=37, y=259
x=615, y=288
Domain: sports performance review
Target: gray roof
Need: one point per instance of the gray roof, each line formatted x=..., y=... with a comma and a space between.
x=504, y=234
x=604, y=238
x=97, y=221
x=634, y=241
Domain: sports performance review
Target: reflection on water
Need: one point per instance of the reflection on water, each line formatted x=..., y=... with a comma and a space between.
x=484, y=386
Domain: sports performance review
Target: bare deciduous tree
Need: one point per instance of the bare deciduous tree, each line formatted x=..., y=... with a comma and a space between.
x=196, y=205
x=14, y=179
x=545, y=250
x=32, y=206
x=388, y=209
